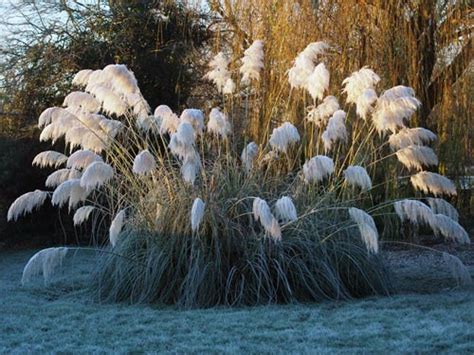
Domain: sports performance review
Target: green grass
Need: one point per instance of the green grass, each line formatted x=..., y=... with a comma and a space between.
x=65, y=319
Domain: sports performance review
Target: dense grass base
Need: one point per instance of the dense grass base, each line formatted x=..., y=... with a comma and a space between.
x=196, y=271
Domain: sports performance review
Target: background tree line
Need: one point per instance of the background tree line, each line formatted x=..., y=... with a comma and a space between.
x=424, y=44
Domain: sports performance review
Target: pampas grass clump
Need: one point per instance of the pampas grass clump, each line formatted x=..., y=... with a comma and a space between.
x=201, y=215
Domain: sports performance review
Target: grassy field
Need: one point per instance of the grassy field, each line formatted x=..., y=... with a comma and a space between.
x=65, y=319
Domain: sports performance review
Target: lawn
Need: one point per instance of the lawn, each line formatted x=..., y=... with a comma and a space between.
x=65, y=319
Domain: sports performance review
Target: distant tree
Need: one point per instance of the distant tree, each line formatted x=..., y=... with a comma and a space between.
x=46, y=43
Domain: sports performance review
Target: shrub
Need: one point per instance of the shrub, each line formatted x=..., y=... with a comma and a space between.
x=194, y=225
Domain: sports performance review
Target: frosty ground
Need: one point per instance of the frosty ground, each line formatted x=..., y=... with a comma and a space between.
x=431, y=314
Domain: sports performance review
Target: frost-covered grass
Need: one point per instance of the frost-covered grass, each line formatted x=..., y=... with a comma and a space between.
x=65, y=319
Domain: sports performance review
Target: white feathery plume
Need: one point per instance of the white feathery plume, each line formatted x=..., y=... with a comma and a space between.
x=44, y=262
x=449, y=229
x=459, y=271
x=141, y=109
x=413, y=211
x=284, y=136
x=122, y=79
x=182, y=142
x=218, y=73
x=417, y=156
x=96, y=174
x=191, y=167
x=80, y=159
x=93, y=142
x=440, y=206
x=335, y=130
x=62, y=121
x=75, y=136
x=144, y=163
x=70, y=190
x=111, y=127
x=368, y=230
x=82, y=77
x=229, y=87
x=47, y=115
x=219, y=124
x=261, y=212
x=83, y=100
x=169, y=120
x=249, y=153
x=197, y=213
x=49, y=158
x=365, y=102
x=357, y=176
x=116, y=227
x=304, y=64
x=252, y=62
x=111, y=102
x=26, y=203
x=195, y=117
x=318, y=82
x=426, y=182
x=320, y=114
x=393, y=107
x=357, y=82
x=410, y=136
x=82, y=214
x=285, y=209
x=318, y=168
x=59, y=176
x=97, y=77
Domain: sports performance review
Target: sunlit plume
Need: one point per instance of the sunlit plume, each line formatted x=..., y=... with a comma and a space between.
x=82, y=214
x=321, y=113
x=121, y=78
x=285, y=209
x=367, y=228
x=219, y=124
x=96, y=174
x=365, y=103
x=83, y=100
x=70, y=190
x=144, y=163
x=449, y=229
x=335, y=130
x=252, y=62
x=417, y=156
x=318, y=82
x=59, y=176
x=358, y=82
x=49, y=158
x=427, y=182
x=393, y=108
x=261, y=212
x=229, y=87
x=169, y=121
x=249, y=153
x=218, y=73
x=111, y=102
x=26, y=203
x=410, y=136
x=82, y=77
x=318, y=168
x=414, y=211
x=357, y=176
x=197, y=213
x=195, y=117
x=81, y=159
x=440, y=206
x=116, y=227
x=304, y=64
x=284, y=136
